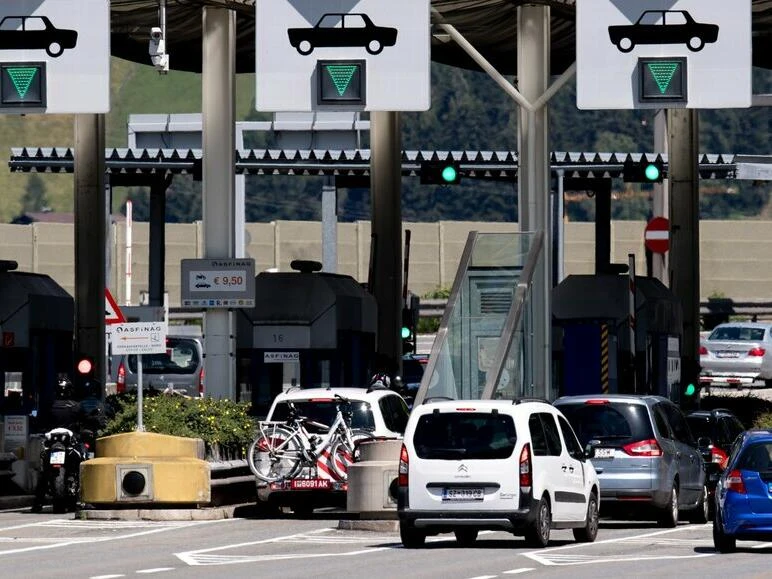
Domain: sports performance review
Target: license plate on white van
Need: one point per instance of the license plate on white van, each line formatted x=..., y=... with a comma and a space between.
x=462, y=494
x=57, y=457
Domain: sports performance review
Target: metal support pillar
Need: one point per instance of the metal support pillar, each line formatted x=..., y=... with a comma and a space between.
x=683, y=177
x=661, y=206
x=602, y=188
x=218, y=105
x=386, y=191
x=90, y=238
x=533, y=64
x=157, y=251
x=329, y=225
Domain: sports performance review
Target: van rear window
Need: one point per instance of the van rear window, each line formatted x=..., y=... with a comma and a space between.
x=468, y=435
x=181, y=357
x=616, y=423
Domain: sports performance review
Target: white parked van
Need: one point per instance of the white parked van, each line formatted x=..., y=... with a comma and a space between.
x=468, y=465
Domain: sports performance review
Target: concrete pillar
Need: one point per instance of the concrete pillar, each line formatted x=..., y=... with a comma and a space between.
x=533, y=177
x=386, y=191
x=683, y=177
x=329, y=225
x=218, y=105
x=157, y=251
x=661, y=208
x=90, y=238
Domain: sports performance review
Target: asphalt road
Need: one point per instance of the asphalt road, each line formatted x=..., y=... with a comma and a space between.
x=48, y=546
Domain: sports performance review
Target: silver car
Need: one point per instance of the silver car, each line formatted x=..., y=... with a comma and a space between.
x=644, y=453
x=737, y=353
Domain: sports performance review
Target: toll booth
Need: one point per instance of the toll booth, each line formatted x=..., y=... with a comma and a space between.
x=36, y=319
x=591, y=336
x=307, y=329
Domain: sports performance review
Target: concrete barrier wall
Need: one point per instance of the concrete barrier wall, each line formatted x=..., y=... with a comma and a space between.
x=735, y=256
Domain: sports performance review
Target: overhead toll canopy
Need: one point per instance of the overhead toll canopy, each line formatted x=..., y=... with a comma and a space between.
x=489, y=25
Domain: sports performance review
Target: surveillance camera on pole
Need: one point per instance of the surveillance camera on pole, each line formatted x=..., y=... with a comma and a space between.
x=157, y=50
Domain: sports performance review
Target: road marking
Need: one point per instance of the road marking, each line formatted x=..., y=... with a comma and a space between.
x=80, y=540
x=548, y=557
x=484, y=577
x=106, y=576
x=203, y=556
x=156, y=570
x=518, y=571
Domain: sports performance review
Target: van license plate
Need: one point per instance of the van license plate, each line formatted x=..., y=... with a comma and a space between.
x=462, y=494
x=604, y=453
x=57, y=457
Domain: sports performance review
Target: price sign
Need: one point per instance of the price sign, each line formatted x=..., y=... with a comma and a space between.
x=218, y=283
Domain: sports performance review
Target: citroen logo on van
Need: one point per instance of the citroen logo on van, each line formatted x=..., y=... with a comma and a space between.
x=462, y=468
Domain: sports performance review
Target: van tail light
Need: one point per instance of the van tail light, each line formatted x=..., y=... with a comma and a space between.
x=526, y=477
x=404, y=463
x=120, y=385
x=703, y=351
x=735, y=482
x=757, y=352
x=643, y=448
x=201, y=382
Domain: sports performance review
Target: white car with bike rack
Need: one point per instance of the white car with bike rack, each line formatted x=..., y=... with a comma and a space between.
x=302, y=450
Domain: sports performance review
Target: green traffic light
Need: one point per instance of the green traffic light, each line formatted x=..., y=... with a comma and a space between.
x=449, y=174
x=690, y=390
x=651, y=172
x=405, y=332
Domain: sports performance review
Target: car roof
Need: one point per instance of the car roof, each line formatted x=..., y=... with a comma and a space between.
x=354, y=393
x=761, y=325
x=758, y=435
x=430, y=405
x=628, y=398
x=712, y=412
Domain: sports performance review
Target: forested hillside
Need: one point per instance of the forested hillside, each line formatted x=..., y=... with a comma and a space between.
x=468, y=112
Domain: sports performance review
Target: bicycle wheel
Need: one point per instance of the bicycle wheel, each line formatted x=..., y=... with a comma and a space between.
x=342, y=455
x=275, y=454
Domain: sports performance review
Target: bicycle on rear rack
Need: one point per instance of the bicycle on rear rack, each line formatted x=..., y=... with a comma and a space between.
x=282, y=449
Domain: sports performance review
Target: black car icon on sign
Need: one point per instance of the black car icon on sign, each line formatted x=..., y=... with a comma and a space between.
x=203, y=285
x=35, y=32
x=340, y=29
x=663, y=27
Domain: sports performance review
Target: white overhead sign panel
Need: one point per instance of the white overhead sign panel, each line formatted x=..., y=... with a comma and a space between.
x=366, y=55
x=663, y=54
x=55, y=56
x=139, y=338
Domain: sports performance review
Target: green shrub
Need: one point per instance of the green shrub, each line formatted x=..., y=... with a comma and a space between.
x=764, y=421
x=221, y=424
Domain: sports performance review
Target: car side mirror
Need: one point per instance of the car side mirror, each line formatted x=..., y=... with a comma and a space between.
x=589, y=451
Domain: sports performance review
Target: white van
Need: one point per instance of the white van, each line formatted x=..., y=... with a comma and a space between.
x=469, y=465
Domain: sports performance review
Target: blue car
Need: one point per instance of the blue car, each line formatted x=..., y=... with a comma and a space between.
x=744, y=493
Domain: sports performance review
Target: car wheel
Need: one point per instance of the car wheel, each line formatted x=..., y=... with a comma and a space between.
x=466, y=537
x=768, y=383
x=538, y=534
x=411, y=537
x=721, y=541
x=695, y=44
x=54, y=49
x=588, y=533
x=305, y=47
x=701, y=514
x=625, y=45
x=374, y=47
x=669, y=516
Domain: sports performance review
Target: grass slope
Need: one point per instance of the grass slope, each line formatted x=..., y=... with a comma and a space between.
x=135, y=89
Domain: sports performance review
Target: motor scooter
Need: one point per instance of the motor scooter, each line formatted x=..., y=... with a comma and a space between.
x=60, y=460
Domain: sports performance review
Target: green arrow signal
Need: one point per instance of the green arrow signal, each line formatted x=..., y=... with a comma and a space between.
x=341, y=75
x=22, y=78
x=663, y=73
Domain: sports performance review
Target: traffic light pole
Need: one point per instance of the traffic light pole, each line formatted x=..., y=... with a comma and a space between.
x=683, y=177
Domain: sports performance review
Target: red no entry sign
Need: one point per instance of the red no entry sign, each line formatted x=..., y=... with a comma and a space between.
x=656, y=236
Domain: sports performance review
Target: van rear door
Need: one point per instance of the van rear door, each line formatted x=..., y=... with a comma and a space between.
x=464, y=458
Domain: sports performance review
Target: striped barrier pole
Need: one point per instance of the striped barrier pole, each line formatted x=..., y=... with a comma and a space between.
x=631, y=315
x=604, y=358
